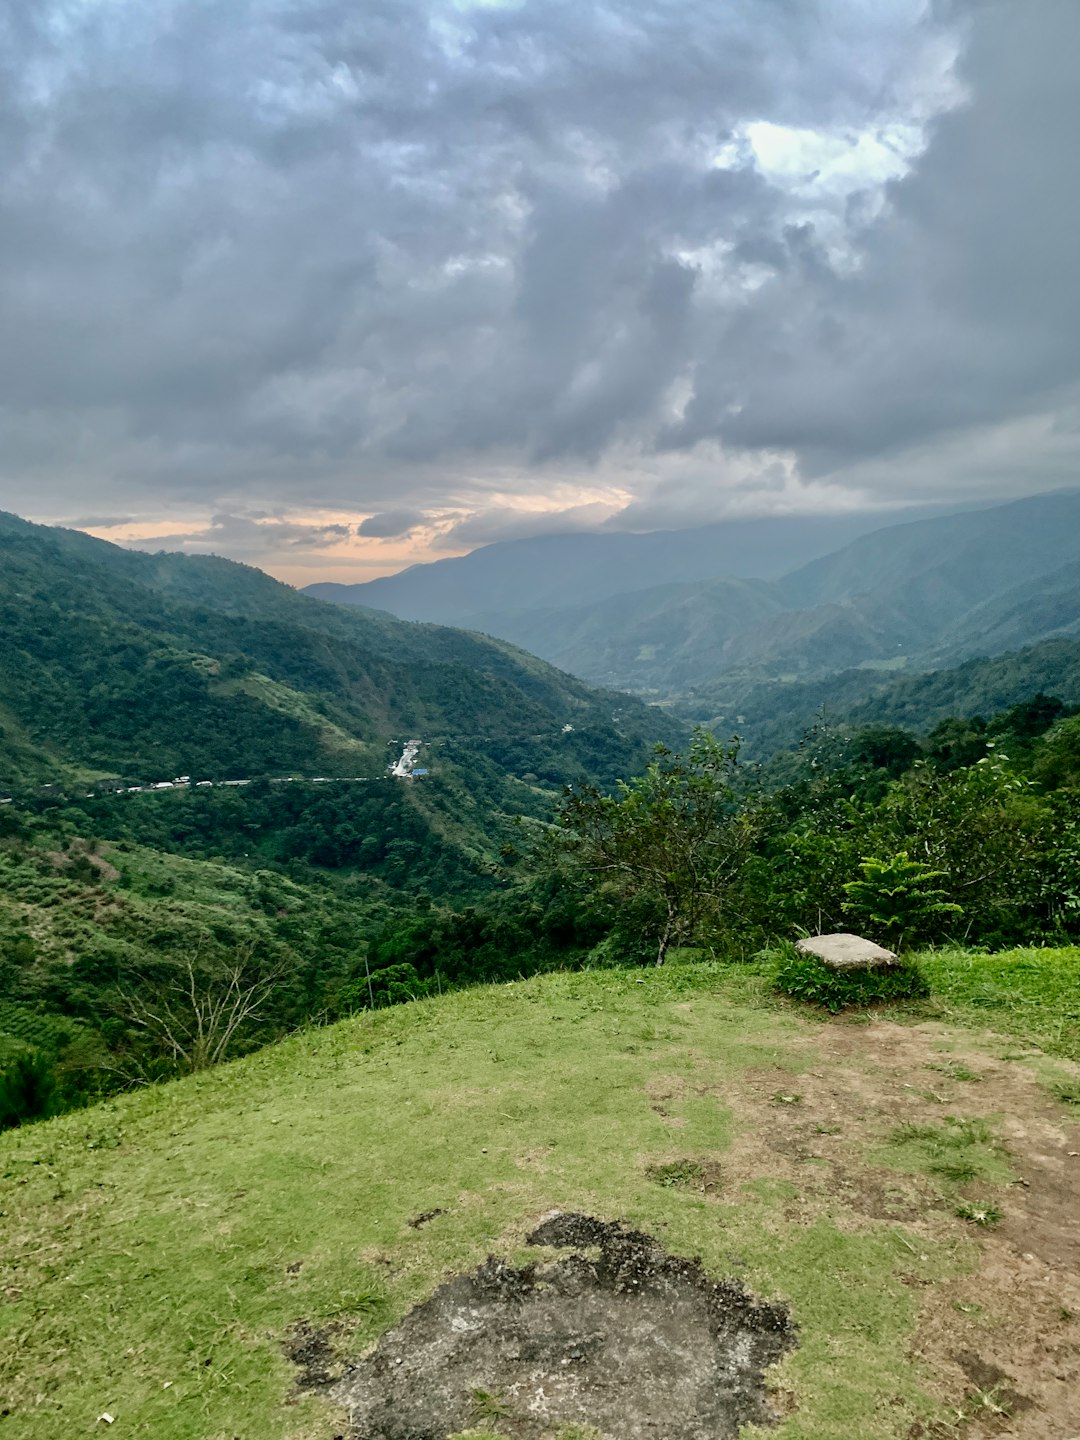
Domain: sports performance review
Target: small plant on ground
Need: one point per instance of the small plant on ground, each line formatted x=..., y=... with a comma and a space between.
x=986, y=1216
x=958, y=1171
x=1067, y=1091
x=898, y=900
x=487, y=1407
x=808, y=978
x=678, y=1175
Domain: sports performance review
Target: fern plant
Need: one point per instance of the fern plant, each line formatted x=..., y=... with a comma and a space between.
x=898, y=900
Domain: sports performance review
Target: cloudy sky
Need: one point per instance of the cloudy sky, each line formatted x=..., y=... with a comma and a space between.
x=332, y=286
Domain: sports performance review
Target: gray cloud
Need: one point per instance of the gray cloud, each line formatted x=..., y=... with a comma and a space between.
x=391, y=523
x=416, y=256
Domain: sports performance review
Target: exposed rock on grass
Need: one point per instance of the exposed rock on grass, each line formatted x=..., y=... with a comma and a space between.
x=616, y=1334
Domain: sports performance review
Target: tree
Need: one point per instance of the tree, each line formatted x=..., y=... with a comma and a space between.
x=669, y=844
x=196, y=1016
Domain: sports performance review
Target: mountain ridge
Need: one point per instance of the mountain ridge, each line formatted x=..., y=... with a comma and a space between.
x=916, y=593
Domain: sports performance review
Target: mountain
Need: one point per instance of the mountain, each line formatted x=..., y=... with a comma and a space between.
x=773, y=715
x=922, y=593
x=522, y=576
x=648, y=640
x=115, y=662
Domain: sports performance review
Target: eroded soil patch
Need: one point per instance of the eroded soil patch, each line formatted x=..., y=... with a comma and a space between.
x=615, y=1334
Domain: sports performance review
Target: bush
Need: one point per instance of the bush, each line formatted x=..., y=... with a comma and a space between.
x=26, y=1083
x=806, y=977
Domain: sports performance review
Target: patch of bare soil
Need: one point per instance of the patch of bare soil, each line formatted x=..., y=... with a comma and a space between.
x=1003, y=1342
x=614, y=1333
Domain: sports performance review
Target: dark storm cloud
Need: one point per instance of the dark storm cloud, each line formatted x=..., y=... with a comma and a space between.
x=299, y=251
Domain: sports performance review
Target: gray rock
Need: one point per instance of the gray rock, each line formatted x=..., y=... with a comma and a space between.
x=847, y=952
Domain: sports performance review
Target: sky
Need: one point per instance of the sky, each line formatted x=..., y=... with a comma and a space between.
x=333, y=287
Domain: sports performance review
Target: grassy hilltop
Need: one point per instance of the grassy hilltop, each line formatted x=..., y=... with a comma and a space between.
x=902, y=1185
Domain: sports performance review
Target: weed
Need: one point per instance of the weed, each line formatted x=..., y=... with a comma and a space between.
x=909, y=1133
x=827, y=1129
x=487, y=1407
x=986, y=1402
x=678, y=1175
x=971, y=1131
x=987, y=1216
x=1067, y=1091
x=782, y=1098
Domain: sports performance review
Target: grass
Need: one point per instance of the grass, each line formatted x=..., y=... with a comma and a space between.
x=157, y=1248
x=1031, y=994
x=678, y=1174
x=957, y=1150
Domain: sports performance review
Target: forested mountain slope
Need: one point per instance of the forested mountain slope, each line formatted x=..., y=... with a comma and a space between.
x=117, y=662
x=773, y=715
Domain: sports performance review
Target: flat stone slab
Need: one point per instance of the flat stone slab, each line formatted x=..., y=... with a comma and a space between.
x=847, y=952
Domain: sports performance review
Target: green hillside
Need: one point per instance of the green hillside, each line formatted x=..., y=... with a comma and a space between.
x=149, y=666
x=204, y=1259
x=774, y=715
x=647, y=641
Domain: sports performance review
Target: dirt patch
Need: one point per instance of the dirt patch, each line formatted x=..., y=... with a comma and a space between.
x=1018, y=1311
x=615, y=1334
x=312, y=1351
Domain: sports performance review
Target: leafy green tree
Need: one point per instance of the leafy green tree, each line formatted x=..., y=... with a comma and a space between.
x=899, y=898
x=671, y=843
x=1057, y=756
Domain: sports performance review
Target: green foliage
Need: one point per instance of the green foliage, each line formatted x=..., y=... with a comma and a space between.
x=808, y=978
x=898, y=898
x=670, y=844
x=27, y=1083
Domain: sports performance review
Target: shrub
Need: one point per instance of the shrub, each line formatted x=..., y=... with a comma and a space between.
x=26, y=1084
x=898, y=897
x=808, y=978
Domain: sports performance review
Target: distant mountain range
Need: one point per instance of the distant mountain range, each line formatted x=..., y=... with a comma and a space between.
x=548, y=571
x=916, y=595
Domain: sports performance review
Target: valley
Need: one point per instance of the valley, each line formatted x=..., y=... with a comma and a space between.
x=314, y=1042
